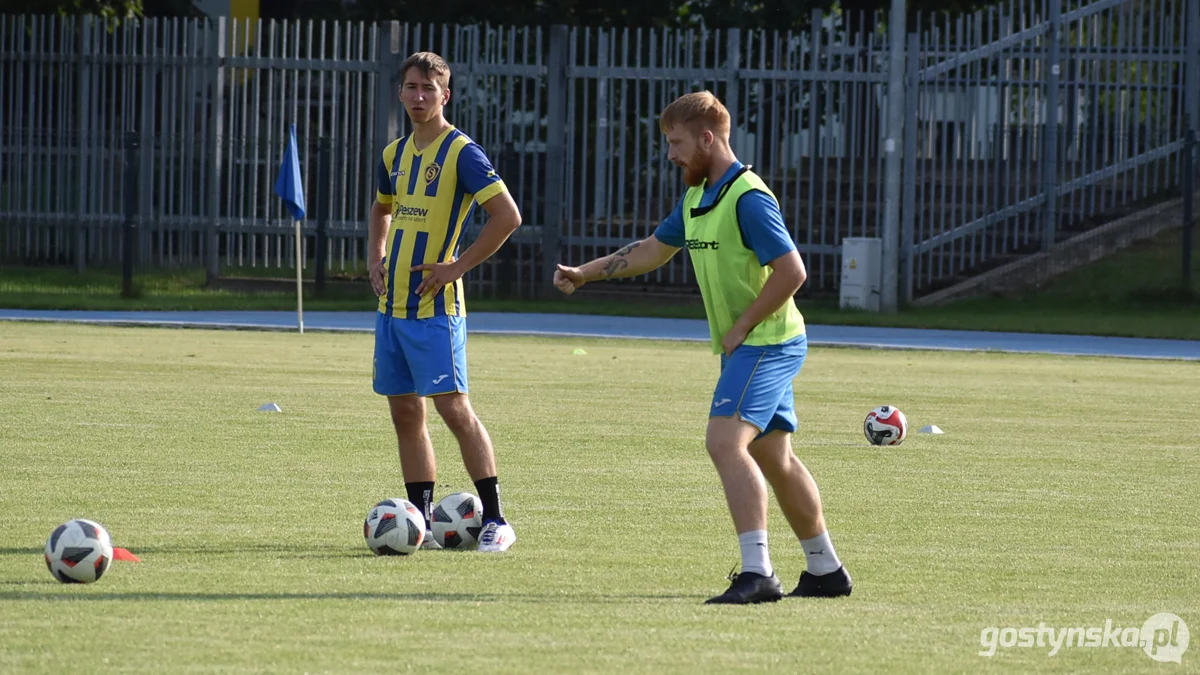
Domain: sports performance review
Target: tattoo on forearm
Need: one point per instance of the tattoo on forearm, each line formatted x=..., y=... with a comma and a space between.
x=618, y=262
x=615, y=265
x=624, y=250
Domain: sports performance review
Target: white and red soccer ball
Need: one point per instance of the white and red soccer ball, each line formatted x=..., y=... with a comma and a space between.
x=79, y=552
x=885, y=425
x=394, y=527
x=457, y=520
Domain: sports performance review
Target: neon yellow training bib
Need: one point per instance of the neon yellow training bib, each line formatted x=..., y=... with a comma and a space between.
x=728, y=272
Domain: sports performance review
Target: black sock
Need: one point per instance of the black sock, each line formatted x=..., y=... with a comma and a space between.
x=421, y=495
x=489, y=494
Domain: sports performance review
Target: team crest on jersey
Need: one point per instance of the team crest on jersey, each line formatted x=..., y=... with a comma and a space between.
x=431, y=172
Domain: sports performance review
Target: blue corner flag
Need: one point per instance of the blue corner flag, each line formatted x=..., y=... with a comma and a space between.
x=289, y=185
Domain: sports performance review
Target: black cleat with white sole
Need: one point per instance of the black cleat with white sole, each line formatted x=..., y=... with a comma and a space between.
x=832, y=585
x=749, y=588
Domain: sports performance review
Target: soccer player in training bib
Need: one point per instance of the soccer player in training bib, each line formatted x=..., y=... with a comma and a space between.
x=748, y=270
x=428, y=185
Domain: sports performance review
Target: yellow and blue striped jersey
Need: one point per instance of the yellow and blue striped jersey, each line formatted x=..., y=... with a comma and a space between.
x=433, y=192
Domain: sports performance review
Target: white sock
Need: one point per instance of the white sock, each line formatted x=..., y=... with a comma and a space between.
x=755, y=556
x=819, y=553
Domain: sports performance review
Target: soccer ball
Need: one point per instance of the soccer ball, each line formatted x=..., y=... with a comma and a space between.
x=457, y=520
x=394, y=527
x=885, y=425
x=78, y=552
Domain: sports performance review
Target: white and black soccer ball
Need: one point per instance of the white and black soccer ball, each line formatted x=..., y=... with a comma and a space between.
x=79, y=552
x=457, y=520
x=886, y=425
x=394, y=527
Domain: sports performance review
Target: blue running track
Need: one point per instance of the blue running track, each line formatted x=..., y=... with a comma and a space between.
x=579, y=325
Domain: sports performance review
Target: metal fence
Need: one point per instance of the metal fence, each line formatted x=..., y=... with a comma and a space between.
x=1085, y=102
x=569, y=116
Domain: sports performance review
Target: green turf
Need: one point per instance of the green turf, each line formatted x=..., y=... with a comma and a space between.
x=1063, y=492
x=1134, y=293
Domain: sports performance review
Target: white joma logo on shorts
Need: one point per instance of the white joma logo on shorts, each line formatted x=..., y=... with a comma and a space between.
x=440, y=378
x=722, y=402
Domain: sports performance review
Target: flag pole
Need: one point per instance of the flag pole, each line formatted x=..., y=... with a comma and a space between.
x=299, y=280
x=289, y=185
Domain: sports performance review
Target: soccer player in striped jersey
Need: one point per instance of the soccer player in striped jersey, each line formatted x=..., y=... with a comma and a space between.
x=428, y=184
x=748, y=270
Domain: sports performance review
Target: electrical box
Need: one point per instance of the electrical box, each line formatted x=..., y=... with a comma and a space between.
x=862, y=259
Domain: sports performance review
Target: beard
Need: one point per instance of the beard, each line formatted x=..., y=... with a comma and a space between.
x=696, y=171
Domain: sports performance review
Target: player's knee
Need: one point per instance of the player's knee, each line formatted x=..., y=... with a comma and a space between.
x=771, y=454
x=456, y=412
x=773, y=465
x=728, y=437
x=723, y=448
x=408, y=414
x=766, y=453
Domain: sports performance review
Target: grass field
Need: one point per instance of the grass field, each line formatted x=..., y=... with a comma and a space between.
x=1063, y=492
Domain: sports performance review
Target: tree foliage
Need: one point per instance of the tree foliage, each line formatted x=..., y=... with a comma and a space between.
x=779, y=14
x=112, y=10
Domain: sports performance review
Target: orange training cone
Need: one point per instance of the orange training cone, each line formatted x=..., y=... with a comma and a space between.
x=123, y=554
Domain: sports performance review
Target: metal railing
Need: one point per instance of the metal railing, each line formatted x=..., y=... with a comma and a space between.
x=569, y=118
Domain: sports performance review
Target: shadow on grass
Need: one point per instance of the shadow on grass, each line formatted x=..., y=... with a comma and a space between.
x=290, y=552
x=545, y=598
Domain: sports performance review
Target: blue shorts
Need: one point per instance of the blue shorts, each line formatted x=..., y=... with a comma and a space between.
x=426, y=357
x=756, y=384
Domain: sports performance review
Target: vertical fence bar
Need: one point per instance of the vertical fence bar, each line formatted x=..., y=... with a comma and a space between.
x=1189, y=187
x=386, y=119
x=941, y=161
x=1050, y=138
x=1095, y=77
x=1121, y=107
x=8, y=77
x=217, y=54
x=565, y=193
x=859, y=134
x=733, y=53
x=144, y=48
x=33, y=78
x=909, y=195
x=1135, y=96
x=131, y=185
x=324, y=191
x=600, y=158
x=1192, y=82
x=874, y=155
x=999, y=182
x=973, y=30
x=106, y=175
x=579, y=215
x=814, y=89
x=895, y=124
x=1161, y=96
x=83, y=108
x=556, y=90
x=1106, y=128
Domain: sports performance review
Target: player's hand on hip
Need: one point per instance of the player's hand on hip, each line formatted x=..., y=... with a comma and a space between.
x=733, y=339
x=440, y=274
x=378, y=276
x=568, y=279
